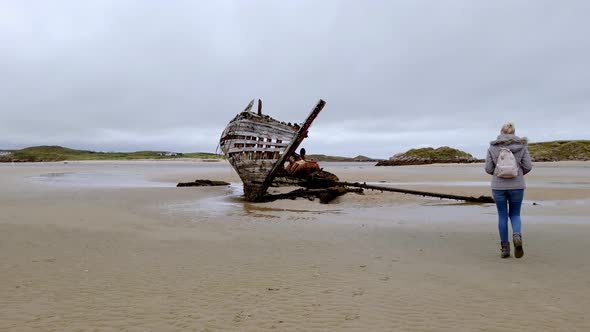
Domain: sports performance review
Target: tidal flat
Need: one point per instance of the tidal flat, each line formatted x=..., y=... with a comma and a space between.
x=114, y=245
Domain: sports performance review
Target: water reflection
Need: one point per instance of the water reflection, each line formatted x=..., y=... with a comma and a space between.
x=230, y=202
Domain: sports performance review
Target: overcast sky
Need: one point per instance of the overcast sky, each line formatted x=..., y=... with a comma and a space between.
x=169, y=75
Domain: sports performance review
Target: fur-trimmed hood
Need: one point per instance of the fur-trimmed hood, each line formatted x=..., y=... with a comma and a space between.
x=506, y=139
x=512, y=142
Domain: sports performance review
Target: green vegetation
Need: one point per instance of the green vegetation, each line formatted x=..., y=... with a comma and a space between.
x=442, y=153
x=323, y=157
x=560, y=150
x=58, y=153
x=364, y=158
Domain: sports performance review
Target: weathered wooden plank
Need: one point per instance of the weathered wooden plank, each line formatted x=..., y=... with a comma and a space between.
x=247, y=134
x=260, y=172
x=255, y=149
x=249, y=107
x=245, y=141
x=250, y=126
x=255, y=169
x=274, y=124
x=264, y=134
x=254, y=163
x=256, y=166
x=267, y=127
x=232, y=143
x=263, y=128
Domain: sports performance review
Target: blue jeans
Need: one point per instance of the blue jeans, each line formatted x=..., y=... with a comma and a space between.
x=508, y=203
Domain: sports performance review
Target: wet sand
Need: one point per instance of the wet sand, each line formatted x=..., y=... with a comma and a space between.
x=102, y=246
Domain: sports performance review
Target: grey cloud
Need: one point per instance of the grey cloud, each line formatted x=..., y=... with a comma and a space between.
x=112, y=75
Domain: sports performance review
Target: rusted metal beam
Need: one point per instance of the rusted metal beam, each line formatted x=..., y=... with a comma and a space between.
x=480, y=199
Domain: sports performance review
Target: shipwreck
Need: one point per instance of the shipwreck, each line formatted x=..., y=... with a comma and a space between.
x=258, y=146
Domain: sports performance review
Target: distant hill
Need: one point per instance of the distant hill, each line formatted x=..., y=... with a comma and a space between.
x=59, y=153
x=323, y=157
x=542, y=151
x=426, y=156
x=560, y=150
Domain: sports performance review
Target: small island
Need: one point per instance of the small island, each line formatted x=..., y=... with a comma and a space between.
x=560, y=150
x=425, y=156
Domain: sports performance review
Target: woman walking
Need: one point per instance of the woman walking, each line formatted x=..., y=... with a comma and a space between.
x=508, y=160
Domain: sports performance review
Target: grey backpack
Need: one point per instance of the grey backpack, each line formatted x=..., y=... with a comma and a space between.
x=506, y=166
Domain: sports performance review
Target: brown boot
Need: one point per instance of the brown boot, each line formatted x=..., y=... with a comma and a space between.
x=517, y=239
x=505, y=249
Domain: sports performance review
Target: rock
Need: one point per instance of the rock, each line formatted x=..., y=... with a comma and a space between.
x=203, y=183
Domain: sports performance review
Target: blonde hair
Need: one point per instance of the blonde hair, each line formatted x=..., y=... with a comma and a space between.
x=508, y=128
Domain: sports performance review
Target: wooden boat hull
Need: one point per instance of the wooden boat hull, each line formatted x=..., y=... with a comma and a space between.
x=257, y=146
x=253, y=144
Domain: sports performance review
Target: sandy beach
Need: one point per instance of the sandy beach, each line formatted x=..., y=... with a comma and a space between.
x=114, y=246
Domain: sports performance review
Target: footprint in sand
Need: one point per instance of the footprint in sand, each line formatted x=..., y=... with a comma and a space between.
x=358, y=292
x=351, y=316
x=240, y=316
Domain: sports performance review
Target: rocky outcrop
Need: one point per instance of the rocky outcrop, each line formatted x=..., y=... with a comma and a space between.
x=425, y=156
